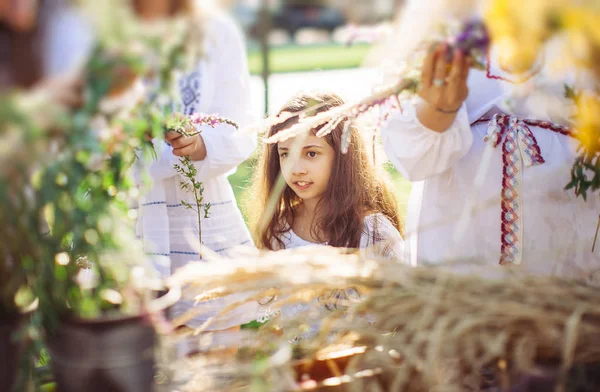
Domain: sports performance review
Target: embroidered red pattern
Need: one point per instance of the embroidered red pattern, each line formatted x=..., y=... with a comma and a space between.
x=519, y=149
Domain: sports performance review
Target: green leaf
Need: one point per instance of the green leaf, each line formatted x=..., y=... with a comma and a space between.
x=570, y=185
x=60, y=273
x=569, y=92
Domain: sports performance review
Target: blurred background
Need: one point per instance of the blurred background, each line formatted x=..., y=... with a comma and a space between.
x=296, y=45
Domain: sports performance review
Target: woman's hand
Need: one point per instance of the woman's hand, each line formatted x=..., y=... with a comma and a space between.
x=442, y=89
x=192, y=146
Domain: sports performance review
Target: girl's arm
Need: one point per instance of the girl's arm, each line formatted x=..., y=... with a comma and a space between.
x=216, y=151
x=225, y=146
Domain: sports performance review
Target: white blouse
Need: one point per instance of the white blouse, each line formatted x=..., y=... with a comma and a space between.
x=220, y=84
x=379, y=238
x=459, y=209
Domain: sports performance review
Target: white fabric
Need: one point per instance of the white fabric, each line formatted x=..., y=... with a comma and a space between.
x=444, y=167
x=218, y=85
x=380, y=238
x=68, y=39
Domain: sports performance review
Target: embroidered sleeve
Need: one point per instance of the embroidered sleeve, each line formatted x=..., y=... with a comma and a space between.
x=227, y=69
x=420, y=153
x=381, y=239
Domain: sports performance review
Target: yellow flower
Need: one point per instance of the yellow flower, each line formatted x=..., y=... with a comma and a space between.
x=584, y=19
x=588, y=122
x=517, y=36
x=583, y=27
x=516, y=56
x=520, y=28
x=499, y=19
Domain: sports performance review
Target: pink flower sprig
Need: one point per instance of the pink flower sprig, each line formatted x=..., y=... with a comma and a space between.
x=188, y=125
x=211, y=120
x=331, y=118
x=473, y=40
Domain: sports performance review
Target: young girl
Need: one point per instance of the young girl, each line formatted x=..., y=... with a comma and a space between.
x=330, y=198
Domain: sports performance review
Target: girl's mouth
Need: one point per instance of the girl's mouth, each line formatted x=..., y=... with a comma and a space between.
x=302, y=185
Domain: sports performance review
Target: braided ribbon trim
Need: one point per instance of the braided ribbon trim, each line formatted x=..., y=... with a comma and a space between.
x=519, y=150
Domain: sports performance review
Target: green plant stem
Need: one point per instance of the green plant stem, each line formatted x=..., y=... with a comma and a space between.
x=199, y=198
x=188, y=170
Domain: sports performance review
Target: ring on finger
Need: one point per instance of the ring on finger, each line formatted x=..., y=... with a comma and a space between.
x=439, y=82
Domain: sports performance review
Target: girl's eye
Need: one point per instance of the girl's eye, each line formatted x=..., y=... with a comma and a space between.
x=311, y=154
x=283, y=155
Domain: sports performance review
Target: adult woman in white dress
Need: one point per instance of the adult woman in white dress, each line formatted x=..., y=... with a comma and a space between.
x=490, y=189
x=218, y=84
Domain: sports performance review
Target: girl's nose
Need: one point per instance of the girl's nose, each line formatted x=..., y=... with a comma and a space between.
x=299, y=169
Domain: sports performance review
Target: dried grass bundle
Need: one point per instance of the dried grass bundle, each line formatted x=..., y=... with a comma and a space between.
x=440, y=331
x=433, y=330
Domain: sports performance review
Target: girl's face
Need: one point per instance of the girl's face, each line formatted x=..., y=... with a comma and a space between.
x=309, y=175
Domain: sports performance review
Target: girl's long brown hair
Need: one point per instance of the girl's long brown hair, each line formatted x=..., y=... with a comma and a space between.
x=356, y=187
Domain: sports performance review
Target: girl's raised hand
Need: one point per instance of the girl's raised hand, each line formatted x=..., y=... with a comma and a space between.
x=443, y=87
x=192, y=146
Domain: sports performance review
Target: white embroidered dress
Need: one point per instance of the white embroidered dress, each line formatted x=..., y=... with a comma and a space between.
x=379, y=238
x=220, y=84
x=453, y=215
